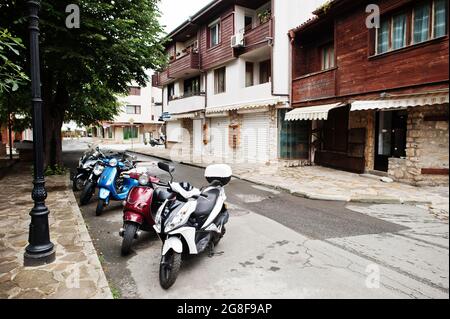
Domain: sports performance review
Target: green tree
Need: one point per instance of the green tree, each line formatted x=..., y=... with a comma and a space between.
x=83, y=69
x=11, y=74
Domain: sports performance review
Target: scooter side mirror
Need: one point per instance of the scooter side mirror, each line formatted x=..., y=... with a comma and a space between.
x=166, y=167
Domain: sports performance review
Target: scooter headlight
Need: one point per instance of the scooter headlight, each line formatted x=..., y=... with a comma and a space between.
x=178, y=219
x=113, y=162
x=98, y=170
x=143, y=180
x=158, y=216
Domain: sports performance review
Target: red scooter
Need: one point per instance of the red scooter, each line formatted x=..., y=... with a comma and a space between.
x=137, y=212
x=140, y=209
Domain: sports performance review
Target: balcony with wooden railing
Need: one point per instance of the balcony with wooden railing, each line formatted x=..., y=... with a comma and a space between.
x=184, y=65
x=314, y=86
x=257, y=37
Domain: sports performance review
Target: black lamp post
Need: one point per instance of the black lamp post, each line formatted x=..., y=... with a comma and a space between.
x=40, y=249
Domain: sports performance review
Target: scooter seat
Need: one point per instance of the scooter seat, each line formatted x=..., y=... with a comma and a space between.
x=206, y=202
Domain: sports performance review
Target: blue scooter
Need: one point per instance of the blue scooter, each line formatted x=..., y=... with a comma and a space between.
x=113, y=186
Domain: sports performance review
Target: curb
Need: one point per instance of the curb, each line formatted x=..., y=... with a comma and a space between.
x=311, y=196
x=87, y=240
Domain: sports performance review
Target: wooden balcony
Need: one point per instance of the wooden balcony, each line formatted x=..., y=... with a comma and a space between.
x=181, y=67
x=155, y=80
x=185, y=65
x=314, y=86
x=257, y=37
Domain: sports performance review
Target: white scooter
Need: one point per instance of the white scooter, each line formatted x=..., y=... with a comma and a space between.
x=191, y=221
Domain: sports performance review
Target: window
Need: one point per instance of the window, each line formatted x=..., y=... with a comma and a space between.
x=294, y=137
x=265, y=72
x=220, y=80
x=133, y=109
x=328, y=56
x=134, y=90
x=249, y=74
x=418, y=24
x=130, y=132
x=192, y=86
x=383, y=37
x=421, y=23
x=214, y=34
x=399, y=31
x=248, y=23
x=170, y=91
x=440, y=18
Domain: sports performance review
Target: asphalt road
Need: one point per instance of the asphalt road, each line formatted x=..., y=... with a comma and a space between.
x=313, y=219
x=282, y=246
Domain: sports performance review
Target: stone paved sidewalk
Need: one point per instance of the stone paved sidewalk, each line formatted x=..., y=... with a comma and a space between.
x=76, y=273
x=322, y=183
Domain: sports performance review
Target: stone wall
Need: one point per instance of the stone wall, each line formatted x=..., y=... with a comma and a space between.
x=427, y=147
x=365, y=119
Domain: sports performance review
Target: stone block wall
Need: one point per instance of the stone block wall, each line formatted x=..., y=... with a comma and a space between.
x=367, y=120
x=427, y=147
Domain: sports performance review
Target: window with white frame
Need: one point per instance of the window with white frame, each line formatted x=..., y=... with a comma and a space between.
x=214, y=34
x=133, y=109
x=422, y=22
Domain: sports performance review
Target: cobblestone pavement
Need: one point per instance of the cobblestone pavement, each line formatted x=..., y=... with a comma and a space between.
x=76, y=273
x=322, y=183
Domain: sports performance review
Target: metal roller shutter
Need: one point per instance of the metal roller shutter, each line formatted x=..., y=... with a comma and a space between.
x=255, y=137
x=219, y=137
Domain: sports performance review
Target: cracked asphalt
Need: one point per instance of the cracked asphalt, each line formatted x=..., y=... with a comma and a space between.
x=281, y=246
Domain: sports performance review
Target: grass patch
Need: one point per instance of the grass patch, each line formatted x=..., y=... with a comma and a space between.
x=115, y=292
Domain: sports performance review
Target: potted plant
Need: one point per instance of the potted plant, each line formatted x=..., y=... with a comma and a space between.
x=264, y=16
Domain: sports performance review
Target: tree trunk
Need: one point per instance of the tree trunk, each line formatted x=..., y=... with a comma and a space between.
x=53, y=116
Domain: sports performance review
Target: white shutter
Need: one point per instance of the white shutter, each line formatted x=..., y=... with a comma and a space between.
x=219, y=137
x=255, y=137
x=198, y=141
x=174, y=131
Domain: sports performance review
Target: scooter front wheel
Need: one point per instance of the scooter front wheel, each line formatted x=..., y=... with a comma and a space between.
x=100, y=207
x=169, y=269
x=78, y=183
x=87, y=193
x=128, y=237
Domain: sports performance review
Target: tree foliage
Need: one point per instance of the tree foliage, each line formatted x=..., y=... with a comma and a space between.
x=11, y=74
x=83, y=70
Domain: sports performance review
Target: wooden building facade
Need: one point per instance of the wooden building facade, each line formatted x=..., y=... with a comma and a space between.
x=376, y=93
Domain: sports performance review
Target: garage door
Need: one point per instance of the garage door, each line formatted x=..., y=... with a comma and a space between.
x=174, y=131
x=198, y=137
x=255, y=137
x=219, y=137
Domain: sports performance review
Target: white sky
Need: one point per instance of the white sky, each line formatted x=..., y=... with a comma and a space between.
x=175, y=12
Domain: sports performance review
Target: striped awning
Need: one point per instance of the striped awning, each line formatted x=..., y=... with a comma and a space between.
x=176, y=117
x=319, y=112
x=244, y=106
x=402, y=102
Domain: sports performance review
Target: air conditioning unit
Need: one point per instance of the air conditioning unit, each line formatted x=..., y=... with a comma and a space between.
x=237, y=40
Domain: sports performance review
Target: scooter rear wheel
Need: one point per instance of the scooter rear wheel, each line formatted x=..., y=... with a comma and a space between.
x=100, y=207
x=128, y=237
x=169, y=269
